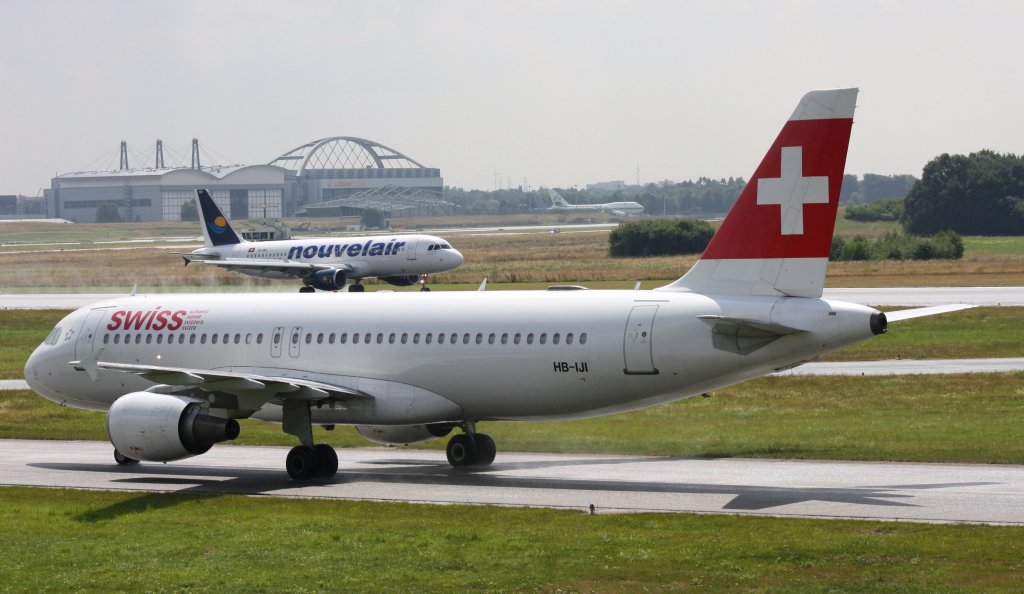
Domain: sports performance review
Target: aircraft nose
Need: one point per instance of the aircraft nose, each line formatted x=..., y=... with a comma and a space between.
x=41, y=367
x=459, y=259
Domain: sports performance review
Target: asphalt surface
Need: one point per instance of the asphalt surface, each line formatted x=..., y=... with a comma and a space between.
x=944, y=493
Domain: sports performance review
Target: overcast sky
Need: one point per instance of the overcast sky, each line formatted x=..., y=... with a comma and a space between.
x=560, y=93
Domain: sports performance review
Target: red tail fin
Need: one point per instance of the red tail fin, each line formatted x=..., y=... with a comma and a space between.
x=777, y=237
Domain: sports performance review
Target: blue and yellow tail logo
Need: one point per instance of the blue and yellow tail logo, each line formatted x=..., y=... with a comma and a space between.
x=220, y=230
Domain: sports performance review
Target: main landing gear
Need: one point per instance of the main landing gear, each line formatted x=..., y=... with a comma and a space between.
x=470, y=448
x=306, y=461
x=123, y=460
x=356, y=288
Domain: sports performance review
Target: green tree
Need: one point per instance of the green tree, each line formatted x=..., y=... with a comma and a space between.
x=977, y=194
x=372, y=219
x=660, y=237
x=189, y=212
x=107, y=212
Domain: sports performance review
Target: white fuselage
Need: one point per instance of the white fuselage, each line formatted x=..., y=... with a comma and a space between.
x=365, y=256
x=624, y=208
x=433, y=357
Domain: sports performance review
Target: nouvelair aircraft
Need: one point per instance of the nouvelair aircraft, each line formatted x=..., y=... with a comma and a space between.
x=174, y=372
x=623, y=209
x=325, y=263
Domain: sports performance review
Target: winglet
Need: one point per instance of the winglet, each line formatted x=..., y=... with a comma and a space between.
x=777, y=237
x=216, y=228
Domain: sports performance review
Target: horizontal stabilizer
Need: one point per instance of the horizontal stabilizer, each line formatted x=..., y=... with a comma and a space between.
x=909, y=314
x=743, y=336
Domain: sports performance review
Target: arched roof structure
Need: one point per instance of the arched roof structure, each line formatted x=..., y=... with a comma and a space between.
x=343, y=152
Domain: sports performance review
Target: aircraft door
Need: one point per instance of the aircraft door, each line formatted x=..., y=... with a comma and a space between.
x=294, y=340
x=637, y=342
x=87, y=335
x=410, y=249
x=275, y=341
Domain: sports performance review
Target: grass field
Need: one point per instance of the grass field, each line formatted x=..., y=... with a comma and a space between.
x=59, y=541
x=975, y=418
x=533, y=258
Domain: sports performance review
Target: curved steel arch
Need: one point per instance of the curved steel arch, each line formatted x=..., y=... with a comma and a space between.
x=338, y=152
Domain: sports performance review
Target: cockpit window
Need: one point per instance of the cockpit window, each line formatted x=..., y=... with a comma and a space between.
x=445, y=246
x=54, y=336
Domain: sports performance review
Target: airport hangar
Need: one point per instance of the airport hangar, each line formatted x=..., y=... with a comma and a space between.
x=336, y=176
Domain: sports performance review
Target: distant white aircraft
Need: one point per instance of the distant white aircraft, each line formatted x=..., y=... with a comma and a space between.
x=325, y=263
x=622, y=209
x=175, y=371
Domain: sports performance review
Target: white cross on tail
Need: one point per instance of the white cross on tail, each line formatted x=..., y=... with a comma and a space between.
x=792, y=191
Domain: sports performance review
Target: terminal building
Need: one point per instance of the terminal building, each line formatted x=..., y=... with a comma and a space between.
x=337, y=176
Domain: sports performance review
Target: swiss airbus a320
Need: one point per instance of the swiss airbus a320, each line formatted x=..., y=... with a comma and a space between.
x=324, y=263
x=175, y=372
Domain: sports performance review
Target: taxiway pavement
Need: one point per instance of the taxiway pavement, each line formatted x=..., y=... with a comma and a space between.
x=945, y=493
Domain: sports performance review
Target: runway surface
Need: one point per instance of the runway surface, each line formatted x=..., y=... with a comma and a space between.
x=911, y=297
x=867, y=490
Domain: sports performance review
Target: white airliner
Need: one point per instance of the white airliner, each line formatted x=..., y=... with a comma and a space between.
x=174, y=372
x=325, y=263
x=622, y=209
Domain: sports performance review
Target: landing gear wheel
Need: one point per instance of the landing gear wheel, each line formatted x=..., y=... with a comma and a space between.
x=356, y=288
x=485, y=449
x=326, y=459
x=307, y=289
x=123, y=460
x=301, y=463
x=461, y=450
x=425, y=288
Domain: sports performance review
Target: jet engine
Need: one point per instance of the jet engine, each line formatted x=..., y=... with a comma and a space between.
x=331, y=279
x=161, y=427
x=402, y=281
x=404, y=434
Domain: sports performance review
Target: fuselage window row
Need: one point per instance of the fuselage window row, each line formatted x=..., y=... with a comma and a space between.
x=342, y=338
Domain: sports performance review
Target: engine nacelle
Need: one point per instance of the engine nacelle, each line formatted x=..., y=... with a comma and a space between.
x=161, y=427
x=404, y=434
x=327, y=280
x=402, y=281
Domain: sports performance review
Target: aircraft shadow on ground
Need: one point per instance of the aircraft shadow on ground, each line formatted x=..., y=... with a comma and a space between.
x=227, y=481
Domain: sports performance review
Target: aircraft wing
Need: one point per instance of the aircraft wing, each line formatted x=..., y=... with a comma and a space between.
x=920, y=312
x=285, y=388
x=283, y=267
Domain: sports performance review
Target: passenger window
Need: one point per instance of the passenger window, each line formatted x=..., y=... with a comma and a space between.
x=416, y=338
x=405, y=338
x=117, y=339
x=429, y=337
x=295, y=338
x=248, y=338
x=454, y=338
x=355, y=339
x=330, y=338
x=309, y=338
x=367, y=337
x=391, y=338
x=138, y=339
x=583, y=338
x=344, y=337
x=554, y=338
x=181, y=339
x=202, y=339
x=479, y=338
x=465, y=338
x=226, y=337
x=504, y=338
x=516, y=338
x=568, y=338
x=106, y=338
x=543, y=337
x=191, y=338
x=320, y=338
x=440, y=338
x=159, y=338
x=529, y=338
x=380, y=338
x=259, y=338
x=238, y=338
